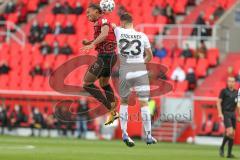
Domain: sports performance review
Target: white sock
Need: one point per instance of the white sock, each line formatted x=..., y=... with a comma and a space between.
x=146, y=120
x=123, y=118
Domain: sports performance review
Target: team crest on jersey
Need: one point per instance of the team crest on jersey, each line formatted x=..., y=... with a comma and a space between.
x=104, y=21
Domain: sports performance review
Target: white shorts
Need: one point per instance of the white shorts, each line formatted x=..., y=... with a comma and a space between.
x=137, y=81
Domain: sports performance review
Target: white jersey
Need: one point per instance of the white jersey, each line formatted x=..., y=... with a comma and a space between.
x=131, y=44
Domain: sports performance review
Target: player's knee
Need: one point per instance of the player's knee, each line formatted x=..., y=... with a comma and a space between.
x=86, y=84
x=231, y=136
x=103, y=83
x=230, y=133
x=227, y=134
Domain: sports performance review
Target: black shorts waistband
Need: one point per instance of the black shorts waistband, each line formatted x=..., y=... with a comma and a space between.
x=228, y=112
x=106, y=54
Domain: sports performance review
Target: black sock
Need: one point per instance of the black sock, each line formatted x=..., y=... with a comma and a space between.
x=230, y=145
x=109, y=93
x=96, y=93
x=225, y=139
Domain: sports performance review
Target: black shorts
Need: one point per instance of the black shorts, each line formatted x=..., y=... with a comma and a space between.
x=229, y=119
x=103, y=65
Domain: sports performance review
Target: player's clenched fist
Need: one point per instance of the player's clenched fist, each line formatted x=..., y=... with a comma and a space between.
x=86, y=42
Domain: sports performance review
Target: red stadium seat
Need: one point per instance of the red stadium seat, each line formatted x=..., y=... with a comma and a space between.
x=13, y=18
x=61, y=19
x=178, y=62
x=213, y=55
x=190, y=63
x=37, y=83
x=220, y=131
x=166, y=61
x=50, y=38
x=32, y=5
x=71, y=2
x=72, y=39
x=50, y=19
x=50, y=59
x=207, y=128
x=4, y=79
x=72, y=18
x=201, y=68
x=62, y=39
x=180, y=6
x=38, y=58
x=182, y=86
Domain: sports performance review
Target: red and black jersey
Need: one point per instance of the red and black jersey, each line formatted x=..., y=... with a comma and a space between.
x=109, y=45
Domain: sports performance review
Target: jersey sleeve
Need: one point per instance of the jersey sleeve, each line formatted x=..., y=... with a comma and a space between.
x=117, y=31
x=221, y=95
x=146, y=42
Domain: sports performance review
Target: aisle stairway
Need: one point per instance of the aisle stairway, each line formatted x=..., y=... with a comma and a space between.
x=169, y=131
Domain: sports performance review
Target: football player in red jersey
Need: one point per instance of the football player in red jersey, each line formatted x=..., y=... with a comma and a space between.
x=105, y=44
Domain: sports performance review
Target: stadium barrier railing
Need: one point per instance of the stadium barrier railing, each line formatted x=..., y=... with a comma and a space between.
x=12, y=31
x=181, y=34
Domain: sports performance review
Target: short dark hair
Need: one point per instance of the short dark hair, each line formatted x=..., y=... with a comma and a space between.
x=95, y=7
x=126, y=17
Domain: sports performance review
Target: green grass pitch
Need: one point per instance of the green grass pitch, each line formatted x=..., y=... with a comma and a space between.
x=19, y=148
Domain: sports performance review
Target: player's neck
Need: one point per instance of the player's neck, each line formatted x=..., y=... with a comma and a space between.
x=129, y=26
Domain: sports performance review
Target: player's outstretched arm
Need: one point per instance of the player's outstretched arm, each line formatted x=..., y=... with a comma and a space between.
x=113, y=25
x=149, y=55
x=86, y=42
x=103, y=35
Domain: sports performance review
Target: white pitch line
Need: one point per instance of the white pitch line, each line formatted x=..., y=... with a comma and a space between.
x=28, y=147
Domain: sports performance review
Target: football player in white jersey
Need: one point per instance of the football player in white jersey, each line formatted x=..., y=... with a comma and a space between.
x=134, y=51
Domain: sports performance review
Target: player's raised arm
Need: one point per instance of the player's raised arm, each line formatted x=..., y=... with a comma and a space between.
x=103, y=35
x=114, y=26
x=86, y=42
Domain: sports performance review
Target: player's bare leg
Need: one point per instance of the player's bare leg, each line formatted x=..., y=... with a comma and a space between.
x=104, y=83
x=123, y=122
x=89, y=86
x=146, y=119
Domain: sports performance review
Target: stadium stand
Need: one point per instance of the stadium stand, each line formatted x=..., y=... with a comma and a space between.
x=46, y=16
x=22, y=60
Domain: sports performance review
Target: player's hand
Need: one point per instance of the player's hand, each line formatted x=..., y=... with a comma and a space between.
x=87, y=47
x=238, y=119
x=114, y=25
x=86, y=42
x=220, y=116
